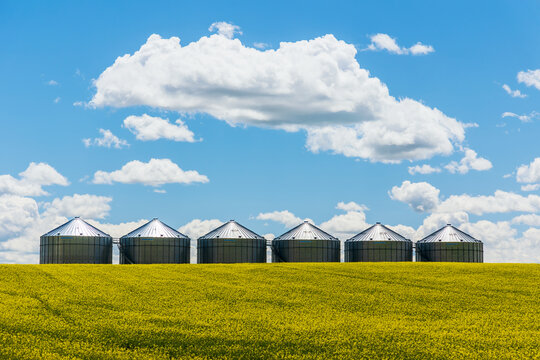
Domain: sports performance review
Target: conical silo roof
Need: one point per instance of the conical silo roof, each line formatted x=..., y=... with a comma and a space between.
x=231, y=230
x=448, y=233
x=76, y=227
x=155, y=229
x=378, y=232
x=305, y=231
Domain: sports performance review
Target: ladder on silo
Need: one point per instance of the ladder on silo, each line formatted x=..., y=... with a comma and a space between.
x=123, y=254
x=274, y=251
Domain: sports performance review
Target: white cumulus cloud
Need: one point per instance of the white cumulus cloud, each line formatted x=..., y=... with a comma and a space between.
x=499, y=202
x=197, y=227
x=146, y=127
x=470, y=161
x=32, y=180
x=154, y=173
x=421, y=49
x=284, y=217
x=315, y=85
x=530, y=187
x=107, y=139
x=424, y=197
x=226, y=29
x=345, y=226
x=527, y=219
x=502, y=244
x=83, y=205
x=351, y=206
x=529, y=173
x=388, y=43
x=530, y=78
x=16, y=213
x=421, y=196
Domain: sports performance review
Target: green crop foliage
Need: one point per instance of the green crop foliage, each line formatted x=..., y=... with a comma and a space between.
x=270, y=311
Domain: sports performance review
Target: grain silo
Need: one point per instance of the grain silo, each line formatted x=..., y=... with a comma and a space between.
x=305, y=243
x=378, y=243
x=231, y=243
x=449, y=244
x=75, y=242
x=154, y=243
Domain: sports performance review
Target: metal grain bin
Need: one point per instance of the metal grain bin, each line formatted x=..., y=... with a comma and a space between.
x=378, y=243
x=305, y=243
x=451, y=245
x=231, y=243
x=154, y=243
x=75, y=242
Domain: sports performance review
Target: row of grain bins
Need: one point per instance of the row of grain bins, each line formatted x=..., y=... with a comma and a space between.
x=157, y=243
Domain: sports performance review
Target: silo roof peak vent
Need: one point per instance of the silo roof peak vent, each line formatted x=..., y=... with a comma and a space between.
x=76, y=227
x=449, y=233
x=306, y=231
x=378, y=232
x=231, y=230
x=155, y=228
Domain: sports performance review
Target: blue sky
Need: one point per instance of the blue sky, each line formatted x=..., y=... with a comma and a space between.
x=275, y=133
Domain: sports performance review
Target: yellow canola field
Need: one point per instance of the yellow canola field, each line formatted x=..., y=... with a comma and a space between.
x=270, y=311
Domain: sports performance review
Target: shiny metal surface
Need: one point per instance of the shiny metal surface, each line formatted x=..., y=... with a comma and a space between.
x=75, y=242
x=448, y=233
x=378, y=251
x=231, y=230
x=450, y=252
x=231, y=243
x=378, y=232
x=306, y=231
x=449, y=244
x=154, y=243
x=378, y=243
x=139, y=250
x=155, y=229
x=76, y=227
x=306, y=243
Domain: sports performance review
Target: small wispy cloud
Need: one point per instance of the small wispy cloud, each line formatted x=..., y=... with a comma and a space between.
x=57, y=100
x=386, y=42
x=530, y=187
x=513, y=93
x=52, y=82
x=523, y=118
x=78, y=73
x=424, y=169
x=108, y=140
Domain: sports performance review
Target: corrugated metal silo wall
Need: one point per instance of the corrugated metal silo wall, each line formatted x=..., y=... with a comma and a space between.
x=228, y=251
x=450, y=252
x=378, y=251
x=305, y=250
x=154, y=251
x=75, y=250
